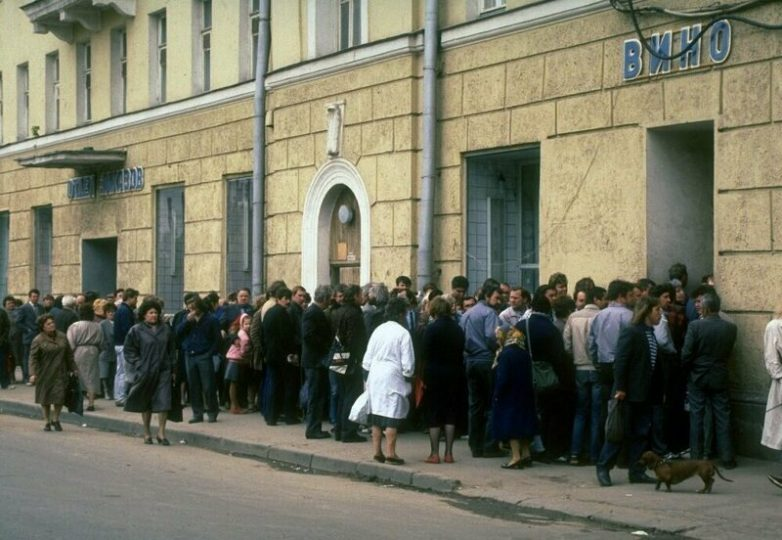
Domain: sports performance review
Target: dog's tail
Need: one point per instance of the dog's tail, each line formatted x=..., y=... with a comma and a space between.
x=720, y=474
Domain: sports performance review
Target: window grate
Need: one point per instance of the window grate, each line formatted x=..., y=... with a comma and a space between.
x=4, y=252
x=43, y=248
x=239, y=218
x=170, y=246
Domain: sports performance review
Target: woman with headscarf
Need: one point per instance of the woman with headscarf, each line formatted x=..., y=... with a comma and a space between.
x=86, y=339
x=390, y=363
x=51, y=363
x=239, y=356
x=150, y=353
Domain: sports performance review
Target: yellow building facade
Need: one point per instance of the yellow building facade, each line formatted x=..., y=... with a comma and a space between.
x=562, y=145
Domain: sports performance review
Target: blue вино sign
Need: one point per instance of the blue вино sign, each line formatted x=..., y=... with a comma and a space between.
x=719, y=41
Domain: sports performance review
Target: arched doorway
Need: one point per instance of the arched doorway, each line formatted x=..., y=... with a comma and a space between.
x=335, y=245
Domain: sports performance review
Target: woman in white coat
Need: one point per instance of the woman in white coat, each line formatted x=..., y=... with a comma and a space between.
x=772, y=353
x=390, y=362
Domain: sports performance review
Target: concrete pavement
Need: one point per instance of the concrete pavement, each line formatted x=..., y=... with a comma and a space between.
x=748, y=507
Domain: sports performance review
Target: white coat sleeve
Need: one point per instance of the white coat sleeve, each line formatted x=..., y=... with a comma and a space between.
x=772, y=349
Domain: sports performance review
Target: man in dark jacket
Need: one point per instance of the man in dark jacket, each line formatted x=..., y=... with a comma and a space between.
x=200, y=336
x=5, y=331
x=347, y=321
x=27, y=320
x=707, y=347
x=316, y=338
x=124, y=320
x=280, y=390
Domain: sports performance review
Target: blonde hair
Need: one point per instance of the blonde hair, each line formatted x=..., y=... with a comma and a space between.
x=98, y=306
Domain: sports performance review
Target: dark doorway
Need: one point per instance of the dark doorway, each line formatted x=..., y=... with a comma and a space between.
x=99, y=265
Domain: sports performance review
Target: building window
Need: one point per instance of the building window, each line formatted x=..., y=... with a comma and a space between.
x=23, y=101
x=52, y=92
x=347, y=17
x=158, y=61
x=255, y=22
x=502, y=218
x=43, y=248
x=170, y=246
x=119, y=71
x=1, y=107
x=206, y=43
x=239, y=234
x=4, y=252
x=84, y=81
x=349, y=23
x=491, y=5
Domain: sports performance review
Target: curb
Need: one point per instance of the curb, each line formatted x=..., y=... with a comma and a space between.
x=305, y=460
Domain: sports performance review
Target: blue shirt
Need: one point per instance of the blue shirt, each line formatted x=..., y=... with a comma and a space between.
x=479, y=325
x=201, y=336
x=604, y=333
x=123, y=322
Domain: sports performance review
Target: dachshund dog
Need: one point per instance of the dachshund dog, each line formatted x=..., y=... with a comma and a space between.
x=673, y=472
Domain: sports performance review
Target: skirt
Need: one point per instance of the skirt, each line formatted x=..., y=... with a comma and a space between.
x=384, y=422
x=232, y=371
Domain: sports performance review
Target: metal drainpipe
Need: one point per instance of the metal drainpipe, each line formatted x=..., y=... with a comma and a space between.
x=259, y=145
x=429, y=139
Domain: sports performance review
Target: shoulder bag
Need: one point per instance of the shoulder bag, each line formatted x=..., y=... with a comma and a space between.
x=543, y=376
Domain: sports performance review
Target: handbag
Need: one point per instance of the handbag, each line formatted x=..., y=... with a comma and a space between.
x=543, y=375
x=338, y=358
x=615, y=421
x=74, y=400
x=359, y=412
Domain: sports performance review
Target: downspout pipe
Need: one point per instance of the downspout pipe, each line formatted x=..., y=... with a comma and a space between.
x=429, y=140
x=259, y=145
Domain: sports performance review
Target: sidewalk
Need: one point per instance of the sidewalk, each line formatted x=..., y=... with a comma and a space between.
x=748, y=507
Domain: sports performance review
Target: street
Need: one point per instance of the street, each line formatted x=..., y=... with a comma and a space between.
x=88, y=484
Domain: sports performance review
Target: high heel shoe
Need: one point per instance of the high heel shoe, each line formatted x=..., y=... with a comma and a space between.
x=513, y=465
x=163, y=441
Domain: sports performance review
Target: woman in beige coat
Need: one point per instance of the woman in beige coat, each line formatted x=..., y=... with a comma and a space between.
x=772, y=352
x=86, y=339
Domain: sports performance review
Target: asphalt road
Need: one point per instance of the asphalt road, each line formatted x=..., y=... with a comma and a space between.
x=84, y=484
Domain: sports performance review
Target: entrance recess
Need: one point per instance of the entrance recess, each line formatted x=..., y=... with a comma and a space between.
x=99, y=265
x=335, y=237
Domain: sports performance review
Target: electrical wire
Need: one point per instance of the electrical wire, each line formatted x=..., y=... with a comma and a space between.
x=723, y=13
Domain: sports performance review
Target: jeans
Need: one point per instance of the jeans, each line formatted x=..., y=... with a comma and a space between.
x=26, y=362
x=719, y=401
x=317, y=392
x=333, y=399
x=349, y=387
x=638, y=422
x=201, y=381
x=120, y=391
x=480, y=383
x=588, y=400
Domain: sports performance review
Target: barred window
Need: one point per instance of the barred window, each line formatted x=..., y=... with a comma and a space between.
x=4, y=250
x=239, y=219
x=43, y=248
x=170, y=246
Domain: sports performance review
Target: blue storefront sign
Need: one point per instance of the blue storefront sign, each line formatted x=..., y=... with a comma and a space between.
x=105, y=184
x=718, y=38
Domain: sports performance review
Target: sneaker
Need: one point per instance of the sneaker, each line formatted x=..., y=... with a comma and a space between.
x=776, y=480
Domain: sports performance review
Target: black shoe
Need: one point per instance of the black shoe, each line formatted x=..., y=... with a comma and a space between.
x=477, y=453
x=729, y=465
x=514, y=465
x=776, y=480
x=163, y=441
x=541, y=457
x=494, y=453
x=353, y=438
x=48, y=427
x=642, y=479
x=196, y=420
x=57, y=426
x=603, y=478
x=212, y=418
x=319, y=435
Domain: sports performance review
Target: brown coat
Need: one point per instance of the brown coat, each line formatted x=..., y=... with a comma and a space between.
x=51, y=360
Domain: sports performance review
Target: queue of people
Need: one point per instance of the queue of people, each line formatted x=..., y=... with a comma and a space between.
x=526, y=375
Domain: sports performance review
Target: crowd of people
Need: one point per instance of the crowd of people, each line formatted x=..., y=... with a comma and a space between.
x=526, y=375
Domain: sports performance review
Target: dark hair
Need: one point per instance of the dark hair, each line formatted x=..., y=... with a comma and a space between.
x=488, y=289
x=439, y=307
x=201, y=305
x=563, y=306
x=644, y=307
x=700, y=290
x=109, y=307
x=245, y=289
x=90, y=296
x=540, y=302
x=283, y=292
x=232, y=297
x=211, y=299
x=557, y=278
x=188, y=296
x=130, y=293
x=711, y=303
x=86, y=313
x=594, y=294
x=31, y=291
x=48, y=297
x=271, y=292
x=395, y=309
x=584, y=284
x=350, y=294
x=40, y=321
x=677, y=271
x=120, y=290
x=663, y=288
x=646, y=284
x=618, y=288
x=404, y=279
x=151, y=303
x=9, y=297
x=460, y=282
